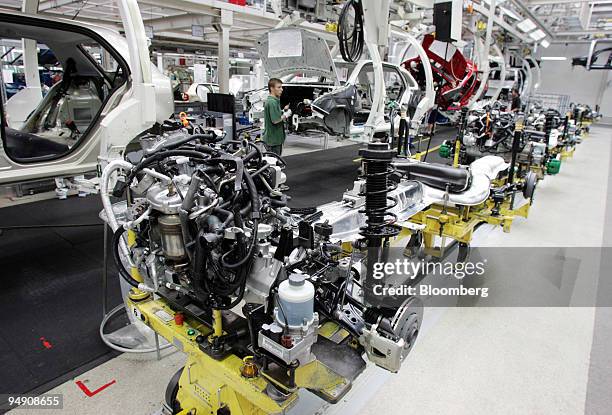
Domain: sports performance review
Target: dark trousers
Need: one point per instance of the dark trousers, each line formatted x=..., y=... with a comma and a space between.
x=278, y=150
x=403, y=139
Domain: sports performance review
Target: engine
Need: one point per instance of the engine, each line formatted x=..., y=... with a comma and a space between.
x=209, y=230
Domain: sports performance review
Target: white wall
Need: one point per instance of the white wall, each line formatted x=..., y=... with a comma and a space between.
x=586, y=87
x=606, y=101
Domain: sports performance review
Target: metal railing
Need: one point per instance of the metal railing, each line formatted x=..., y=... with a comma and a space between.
x=555, y=101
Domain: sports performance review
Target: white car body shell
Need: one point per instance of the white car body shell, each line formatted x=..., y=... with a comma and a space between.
x=128, y=112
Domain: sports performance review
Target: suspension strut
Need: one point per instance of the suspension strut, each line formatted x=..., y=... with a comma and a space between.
x=380, y=223
x=548, y=125
x=565, y=127
x=459, y=140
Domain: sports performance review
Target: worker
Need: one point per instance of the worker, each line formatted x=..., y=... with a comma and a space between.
x=274, y=118
x=516, y=101
x=404, y=140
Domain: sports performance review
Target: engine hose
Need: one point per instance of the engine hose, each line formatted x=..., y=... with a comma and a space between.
x=279, y=158
x=183, y=140
x=228, y=288
x=205, y=149
x=235, y=302
x=351, y=44
x=184, y=213
x=248, y=180
x=256, y=151
x=199, y=279
x=231, y=287
x=122, y=271
x=278, y=203
x=229, y=216
x=245, y=209
x=255, y=202
x=249, y=253
x=160, y=156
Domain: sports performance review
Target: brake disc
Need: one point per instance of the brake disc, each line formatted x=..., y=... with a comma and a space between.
x=407, y=322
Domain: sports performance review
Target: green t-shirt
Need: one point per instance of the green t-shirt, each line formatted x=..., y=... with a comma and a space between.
x=274, y=129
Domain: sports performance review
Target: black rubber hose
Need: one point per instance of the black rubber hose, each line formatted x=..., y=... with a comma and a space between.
x=229, y=216
x=160, y=156
x=282, y=160
x=351, y=44
x=122, y=271
x=183, y=140
x=184, y=212
x=241, y=273
x=246, y=209
x=256, y=152
x=249, y=253
x=198, y=265
x=255, y=207
x=255, y=202
x=278, y=203
x=235, y=302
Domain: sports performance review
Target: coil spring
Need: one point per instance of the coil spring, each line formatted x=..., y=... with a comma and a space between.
x=377, y=169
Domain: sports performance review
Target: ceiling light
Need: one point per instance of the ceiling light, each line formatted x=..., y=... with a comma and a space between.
x=545, y=43
x=510, y=13
x=526, y=25
x=537, y=35
x=554, y=58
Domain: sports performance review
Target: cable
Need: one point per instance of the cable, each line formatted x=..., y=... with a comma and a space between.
x=351, y=44
x=119, y=348
x=122, y=271
x=280, y=307
x=279, y=158
x=428, y=145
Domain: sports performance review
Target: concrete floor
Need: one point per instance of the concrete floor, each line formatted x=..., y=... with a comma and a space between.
x=467, y=360
x=298, y=144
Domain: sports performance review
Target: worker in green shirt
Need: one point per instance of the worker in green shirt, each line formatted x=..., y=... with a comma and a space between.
x=274, y=118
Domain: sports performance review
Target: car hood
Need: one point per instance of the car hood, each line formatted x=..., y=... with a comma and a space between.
x=291, y=50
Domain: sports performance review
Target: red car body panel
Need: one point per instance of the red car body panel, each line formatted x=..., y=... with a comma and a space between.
x=457, y=76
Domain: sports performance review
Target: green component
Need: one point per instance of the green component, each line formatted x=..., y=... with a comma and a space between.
x=444, y=151
x=191, y=332
x=553, y=166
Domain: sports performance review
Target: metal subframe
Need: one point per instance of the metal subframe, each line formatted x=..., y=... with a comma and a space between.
x=459, y=223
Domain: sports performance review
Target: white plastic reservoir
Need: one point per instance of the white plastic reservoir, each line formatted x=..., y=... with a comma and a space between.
x=295, y=301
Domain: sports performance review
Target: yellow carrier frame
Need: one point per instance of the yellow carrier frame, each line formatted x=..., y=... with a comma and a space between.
x=460, y=222
x=230, y=385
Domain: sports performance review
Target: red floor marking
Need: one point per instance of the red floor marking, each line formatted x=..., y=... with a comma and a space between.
x=89, y=393
x=46, y=343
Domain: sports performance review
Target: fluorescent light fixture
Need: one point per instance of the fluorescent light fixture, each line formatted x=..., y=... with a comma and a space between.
x=554, y=58
x=510, y=13
x=545, y=43
x=537, y=35
x=526, y=25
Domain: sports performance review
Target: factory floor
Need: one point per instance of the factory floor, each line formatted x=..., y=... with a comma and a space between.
x=539, y=360
x=467, y=360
